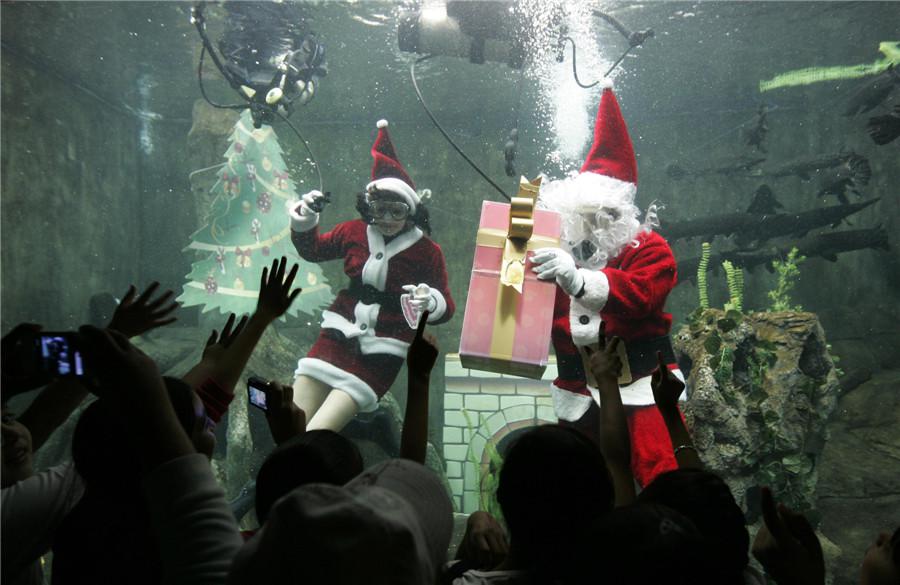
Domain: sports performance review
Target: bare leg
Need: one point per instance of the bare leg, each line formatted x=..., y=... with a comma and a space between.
x=309, y=394
x=335, y=412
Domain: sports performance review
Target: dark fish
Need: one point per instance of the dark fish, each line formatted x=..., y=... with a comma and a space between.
x=510, y=150
x=752, y=228
x=764, y=201
x=805, y=167
x=741, y=166
x=826, y=246
x=757, y=135
x=885, y=129
x=873, y=92
x=845, y=178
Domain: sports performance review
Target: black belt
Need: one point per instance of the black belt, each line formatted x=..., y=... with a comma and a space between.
x=641, y=357
x=369, y=295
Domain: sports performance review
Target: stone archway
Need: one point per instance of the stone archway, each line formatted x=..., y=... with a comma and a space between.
x=482, y=408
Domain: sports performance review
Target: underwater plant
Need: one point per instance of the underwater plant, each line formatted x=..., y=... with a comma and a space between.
x=735, y=279
x=702, y=267
x=490, y=477
x=890, y=50
x=788, y=272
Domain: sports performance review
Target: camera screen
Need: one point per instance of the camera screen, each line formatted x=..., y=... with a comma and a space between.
x=59, y=357
x=257, y=397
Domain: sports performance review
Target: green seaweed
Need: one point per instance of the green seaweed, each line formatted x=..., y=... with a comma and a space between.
x=890, y=50
x=490, y=476
x=735, y=278
x=788, y=271
x=702, y=267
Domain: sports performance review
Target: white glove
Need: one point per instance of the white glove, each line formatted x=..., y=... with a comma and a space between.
x=557, y=263
x=421, y=298
x=306, y=202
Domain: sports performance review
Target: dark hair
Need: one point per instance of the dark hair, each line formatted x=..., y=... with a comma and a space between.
x=707, y=500
x=641, y=544
x=554, y=480
x=420, y=217
x=319, y=456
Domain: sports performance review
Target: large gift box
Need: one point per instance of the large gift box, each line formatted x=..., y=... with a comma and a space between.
x=509, y=312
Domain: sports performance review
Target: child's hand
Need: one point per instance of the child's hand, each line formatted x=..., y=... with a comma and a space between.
x=136, y=316
x=286, y=419
x=605, y=364
x=275, y=295
x=666, y=387
x=484, y=542
x=423, y=350
x=217, y=344
x=787, y=546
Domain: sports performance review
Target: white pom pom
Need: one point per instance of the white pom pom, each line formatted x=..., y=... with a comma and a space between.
x=382, y=123
x=606, y=83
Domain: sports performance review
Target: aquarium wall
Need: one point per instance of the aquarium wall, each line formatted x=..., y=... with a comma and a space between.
x=110, y=164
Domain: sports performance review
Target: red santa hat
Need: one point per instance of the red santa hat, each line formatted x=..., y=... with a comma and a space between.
x=610, y=168
x=387, y=172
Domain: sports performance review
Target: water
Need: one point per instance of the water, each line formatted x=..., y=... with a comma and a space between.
x=110, y=178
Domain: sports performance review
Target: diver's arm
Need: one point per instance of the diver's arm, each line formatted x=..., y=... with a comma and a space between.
x=440, y=289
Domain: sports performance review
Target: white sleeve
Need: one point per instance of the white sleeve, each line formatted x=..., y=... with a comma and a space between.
x=32, y=510
x=196, y=532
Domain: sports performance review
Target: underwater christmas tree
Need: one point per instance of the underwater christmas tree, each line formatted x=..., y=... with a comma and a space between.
x=246, y=228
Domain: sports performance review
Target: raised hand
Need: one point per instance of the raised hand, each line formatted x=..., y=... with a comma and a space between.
x=423, y=351
x=217, y=344
x=666, y=387
x=605, y=363
x=136, y=316
x=484, y=542
x=275, y=295
x=20, y=368
x=787, y=546
x=286, y=419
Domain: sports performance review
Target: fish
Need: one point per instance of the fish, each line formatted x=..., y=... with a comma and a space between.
x=764, y=201
x=885, y=129
x=751, y=228
x=757, y=135
x=510, y=149
x=807, y=166
x=740, y=166
x=826, y=246
x=873, y=92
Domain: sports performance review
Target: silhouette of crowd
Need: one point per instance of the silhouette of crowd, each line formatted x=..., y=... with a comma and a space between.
x=139, y=502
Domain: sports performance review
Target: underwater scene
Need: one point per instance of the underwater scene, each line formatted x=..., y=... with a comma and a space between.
x=420, y=225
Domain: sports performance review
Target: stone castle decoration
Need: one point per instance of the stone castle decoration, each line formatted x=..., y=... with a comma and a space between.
x=484, y=410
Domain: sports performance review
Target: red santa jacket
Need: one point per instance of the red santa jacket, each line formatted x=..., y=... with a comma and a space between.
x=369, y=309
x=629, y=294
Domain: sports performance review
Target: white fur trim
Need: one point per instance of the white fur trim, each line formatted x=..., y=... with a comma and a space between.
x=363, y=327
x=596, y=290
x=382, y=123
x=440, y=305
x=593, y=190
x=301, y=223
x=397, y=186
x=583, y=333
x=362, y=394
x=606, y=83
x=639, y=392
x=375, y=269
x=569, y=405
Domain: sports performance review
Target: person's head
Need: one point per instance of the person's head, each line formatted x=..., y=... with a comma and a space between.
x=641, y=544
x=392, y=213
x=389, y=525
x=17, y=458
x=319, y=456
x=553, y=480
x=707, y=501
x=881, y=565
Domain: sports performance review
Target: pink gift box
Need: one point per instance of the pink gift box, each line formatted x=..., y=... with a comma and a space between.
x=504, y=331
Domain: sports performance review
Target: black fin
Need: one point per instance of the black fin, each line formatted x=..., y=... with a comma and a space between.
x=884, y=129
x=764, y=201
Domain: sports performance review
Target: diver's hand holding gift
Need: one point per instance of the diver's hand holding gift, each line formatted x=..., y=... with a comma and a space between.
x=417, y=299
x=556, y=263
